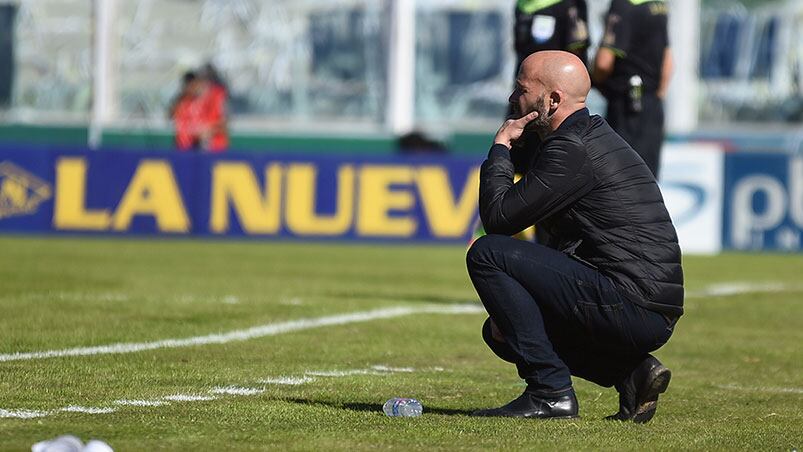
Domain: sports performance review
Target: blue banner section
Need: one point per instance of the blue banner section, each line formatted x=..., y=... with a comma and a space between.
x=76, y=191
x=340, y=198
x=763, y=202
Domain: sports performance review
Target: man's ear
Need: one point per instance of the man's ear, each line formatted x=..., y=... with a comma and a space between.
x=555, y=98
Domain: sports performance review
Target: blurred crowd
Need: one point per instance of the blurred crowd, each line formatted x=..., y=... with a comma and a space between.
x=198, y=111
x=631, y=70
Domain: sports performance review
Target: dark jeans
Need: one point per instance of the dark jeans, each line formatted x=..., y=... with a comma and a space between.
x=559, y=317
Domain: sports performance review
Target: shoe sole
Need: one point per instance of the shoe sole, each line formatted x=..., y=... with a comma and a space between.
x=648, y=402
x=529, y=417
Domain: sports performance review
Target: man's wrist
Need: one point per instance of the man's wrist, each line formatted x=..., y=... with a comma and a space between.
x=499, y=150
x=502, y=141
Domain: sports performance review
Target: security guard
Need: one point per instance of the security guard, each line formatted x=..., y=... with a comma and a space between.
x=551, y=25
x=632, y=70
x=547, y=25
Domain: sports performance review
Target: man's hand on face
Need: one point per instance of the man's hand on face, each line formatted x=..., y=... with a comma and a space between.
x=512, y=129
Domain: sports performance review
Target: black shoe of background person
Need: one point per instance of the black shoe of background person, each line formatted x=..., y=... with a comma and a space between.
x=532, y=405
x=638, y=393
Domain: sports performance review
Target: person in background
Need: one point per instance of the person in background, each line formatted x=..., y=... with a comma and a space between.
x=199, y=113
x=418, y=143
x=215, y=109
x=181, y=113
x=632, y=70
x=551, y=25
x=547, y=25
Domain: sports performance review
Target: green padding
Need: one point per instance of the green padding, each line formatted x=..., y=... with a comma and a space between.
x=66, y=135
x=471, y=143
x=162, y=140
x=641, y=2
x=531, y=6
x=475, y=144
x=137, y=139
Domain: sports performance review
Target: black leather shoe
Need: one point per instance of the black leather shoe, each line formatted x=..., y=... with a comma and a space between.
x=529, y=405
x=638, y=393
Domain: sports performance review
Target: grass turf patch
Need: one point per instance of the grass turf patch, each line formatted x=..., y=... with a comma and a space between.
x=735, y=358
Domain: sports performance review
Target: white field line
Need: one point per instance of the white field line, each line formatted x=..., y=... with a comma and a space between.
x=344, y=373
x=126, y=402
x=88, y=410
x=23, y=414
x=775, y=390
x=293, y=301
x=373, y=370
x=727, y=289
x=237, y=390
x=231, y=299
x=69, y=296
x=188, y=398
x=217, y=392
x=291, y=381
x=715, y=290
x=308, y=378
x=270, y=329
x=393, y=369
x=119, y=297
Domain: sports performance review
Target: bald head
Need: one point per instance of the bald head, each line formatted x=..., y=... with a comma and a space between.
x=558, y=71
x=553, y=83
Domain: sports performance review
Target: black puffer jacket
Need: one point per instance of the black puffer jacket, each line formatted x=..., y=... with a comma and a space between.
x=593, y=197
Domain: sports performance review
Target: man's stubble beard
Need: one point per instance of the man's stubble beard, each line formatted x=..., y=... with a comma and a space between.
x=541, y=124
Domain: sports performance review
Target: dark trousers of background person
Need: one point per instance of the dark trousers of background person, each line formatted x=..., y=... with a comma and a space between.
x=643, y=130
x=558, y=316
x=7, y=70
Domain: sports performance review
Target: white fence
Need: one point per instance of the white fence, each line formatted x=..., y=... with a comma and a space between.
x=353, y=66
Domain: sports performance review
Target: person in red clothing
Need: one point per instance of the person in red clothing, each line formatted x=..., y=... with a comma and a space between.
x=199, y=115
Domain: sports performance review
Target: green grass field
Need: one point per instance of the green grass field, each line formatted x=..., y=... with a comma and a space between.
x=737, y=354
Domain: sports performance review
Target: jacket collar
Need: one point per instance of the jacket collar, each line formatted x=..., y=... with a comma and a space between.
x=574, y=120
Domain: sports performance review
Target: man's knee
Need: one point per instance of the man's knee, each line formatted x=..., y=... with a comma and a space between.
x=481, y=251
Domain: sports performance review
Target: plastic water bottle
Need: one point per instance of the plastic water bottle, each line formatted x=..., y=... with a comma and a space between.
x=402, y=407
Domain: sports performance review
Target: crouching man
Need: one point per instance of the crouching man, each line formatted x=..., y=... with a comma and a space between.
x=604, y=288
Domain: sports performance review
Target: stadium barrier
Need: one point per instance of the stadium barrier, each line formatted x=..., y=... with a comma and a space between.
x=764, y=206
x=390, y=198
x=737, y=201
